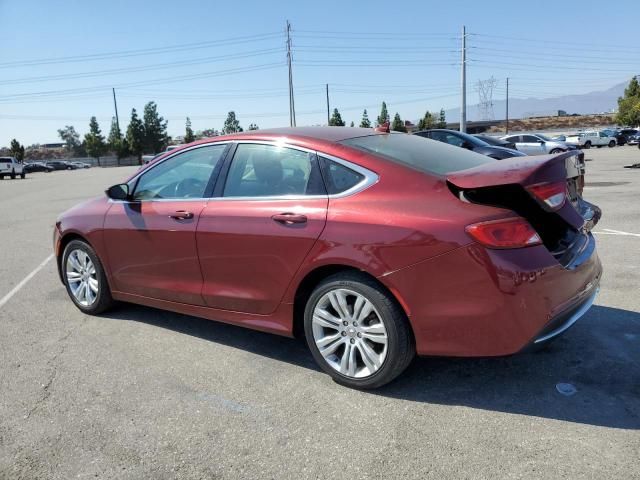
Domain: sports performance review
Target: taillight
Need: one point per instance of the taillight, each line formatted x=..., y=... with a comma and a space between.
x=513, y=232
x=553, y=195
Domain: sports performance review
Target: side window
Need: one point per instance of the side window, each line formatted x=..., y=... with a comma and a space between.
x=184, y=176
x=530, y=139
x=267, y=170
x=339, y=178
x=513, y=139
x=439, y=136
x=453, y=140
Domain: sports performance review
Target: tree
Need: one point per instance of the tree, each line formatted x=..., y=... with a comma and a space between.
x=231, y=124
x=253, y=126
x=365, y=122
x=17, y=150
x=442, y=120
x=629, y=105
x=426, y=122
x=155, y=129
x=188, y=133
x=71, y=138
x=398, y=125
x=115, y=137
x=384, y=115
x=135, y=135
x=94, y=141
x=336, y=119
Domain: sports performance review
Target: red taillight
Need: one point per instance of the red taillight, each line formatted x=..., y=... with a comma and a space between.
x=513, y=232
x=552, y=195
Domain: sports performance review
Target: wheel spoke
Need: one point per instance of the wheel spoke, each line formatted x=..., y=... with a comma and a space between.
x=331, y=348
x=348, y=361
x=375, y=329
x=370, y=358
x=73, y=276
x=75, y=264
x=93, y=283
x=339, y=304
x=324, y=318
x=329, y=339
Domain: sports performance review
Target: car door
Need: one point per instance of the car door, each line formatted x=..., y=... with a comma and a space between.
x=151, y=240
x=532, y=145
x=269, y=210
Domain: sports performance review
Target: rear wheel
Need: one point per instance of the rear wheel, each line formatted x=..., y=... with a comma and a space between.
x=612, y=143
x=587, y=145
x=85, y=279
x=357, y=332
x=13, y=174
x=22, y=175
x=556, y=150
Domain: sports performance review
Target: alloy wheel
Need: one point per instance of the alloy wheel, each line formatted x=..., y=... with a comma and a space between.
x=82, y=277
x=349, y=333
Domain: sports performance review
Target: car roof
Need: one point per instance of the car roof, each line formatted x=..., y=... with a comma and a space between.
x=328, y=134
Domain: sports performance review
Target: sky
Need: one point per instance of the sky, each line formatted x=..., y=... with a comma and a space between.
x=60, y=60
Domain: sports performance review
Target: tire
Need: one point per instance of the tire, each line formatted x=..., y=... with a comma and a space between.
x=2, y=176
x=80, y=250
x=587, y=145
x=612, y=144
x=384, y=362
x=13, y=174
x=23, y=175
x=556, y=150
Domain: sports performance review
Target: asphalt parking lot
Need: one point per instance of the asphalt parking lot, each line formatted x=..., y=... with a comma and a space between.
x=142, y=393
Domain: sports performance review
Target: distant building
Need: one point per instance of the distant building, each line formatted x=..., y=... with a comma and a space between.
x=562, y=113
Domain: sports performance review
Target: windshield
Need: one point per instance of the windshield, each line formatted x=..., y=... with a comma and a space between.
x=419, y=153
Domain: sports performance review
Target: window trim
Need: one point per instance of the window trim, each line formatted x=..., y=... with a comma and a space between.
x=370, y=178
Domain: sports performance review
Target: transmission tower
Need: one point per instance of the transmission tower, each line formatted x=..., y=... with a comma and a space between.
x=485, y=95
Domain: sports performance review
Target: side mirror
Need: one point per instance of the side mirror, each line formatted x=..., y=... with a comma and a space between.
x=118, y=192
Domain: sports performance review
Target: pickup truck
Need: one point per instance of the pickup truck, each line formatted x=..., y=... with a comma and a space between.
x=10, y=166
x=591, y=139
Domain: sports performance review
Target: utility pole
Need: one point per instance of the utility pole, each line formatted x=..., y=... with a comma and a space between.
x=463, y=105
x=328, y=114
x=507, y=114
x=115, y=105
x=292, y=108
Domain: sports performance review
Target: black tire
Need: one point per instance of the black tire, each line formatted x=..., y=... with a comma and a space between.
x=13, y=174
x=587, y=145
x=103, y=301
x=612, y=143
x=23, y=175
x=556, y=150
x=400, y=342
x=2, y=176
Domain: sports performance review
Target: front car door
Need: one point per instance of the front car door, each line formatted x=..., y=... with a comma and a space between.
x=151, y=240
x=254, y=235
x=532, y=145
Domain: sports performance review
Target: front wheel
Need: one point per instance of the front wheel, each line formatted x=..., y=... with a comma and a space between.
x=556, y=150
x=587, y=145
x=13, y=174
x=22, y=175
x=85, y=279
x=612, y=144
x=357, y=332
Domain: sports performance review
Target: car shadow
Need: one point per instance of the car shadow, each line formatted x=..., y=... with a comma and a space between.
x=590, y=376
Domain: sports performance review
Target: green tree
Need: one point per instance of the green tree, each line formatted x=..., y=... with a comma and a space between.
x=71, y=138
x=135, y=135
x=442, y=120
x=384, y=115
x=336, y=119
x=629, y=105
x=231, y=124
x=94, y=141
x=155, y=129
x=17, y=150
x=426, y=122
x=189, y=136
x=115, y=137
x=253, y=126
x=398, y=125
x=365, y=122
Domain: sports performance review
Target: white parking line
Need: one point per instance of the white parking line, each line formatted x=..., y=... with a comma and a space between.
x=608, y=231
x=24, y=281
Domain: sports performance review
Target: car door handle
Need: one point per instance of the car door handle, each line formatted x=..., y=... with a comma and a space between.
x=289, y=218
x=181, y=215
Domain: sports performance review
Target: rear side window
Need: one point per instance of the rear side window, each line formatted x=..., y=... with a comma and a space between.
x=513, y=139
x=419, y=153
x=339, y=178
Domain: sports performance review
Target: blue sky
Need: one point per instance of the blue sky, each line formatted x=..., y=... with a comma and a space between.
x=202, y=59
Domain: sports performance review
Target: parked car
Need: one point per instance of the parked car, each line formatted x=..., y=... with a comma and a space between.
x=538, y=144
x=149, y=158
x=464, y=140
x=374, y=246
x=61, y=165
x=81, y=164
x=591, y=139
x=9, y=166
x=495, y=141
x=634, y=139
x=626, y=133
x=559, y=138
x=37, y=167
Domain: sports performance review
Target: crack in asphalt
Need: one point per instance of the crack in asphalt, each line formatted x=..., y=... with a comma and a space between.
x=47, y=386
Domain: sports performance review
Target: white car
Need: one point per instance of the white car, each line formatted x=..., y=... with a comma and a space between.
x=591, y=139
x=537, y=144
x=10, y=166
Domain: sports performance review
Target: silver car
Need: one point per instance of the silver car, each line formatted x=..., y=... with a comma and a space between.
x=537, y=144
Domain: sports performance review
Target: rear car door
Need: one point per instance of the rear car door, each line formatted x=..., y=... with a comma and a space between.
x=254, y=235
x=532, y=145
x=151, y=240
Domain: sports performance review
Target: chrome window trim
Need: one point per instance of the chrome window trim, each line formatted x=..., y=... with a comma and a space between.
x=370, y=178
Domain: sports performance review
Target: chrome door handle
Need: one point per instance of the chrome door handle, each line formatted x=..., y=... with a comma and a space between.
x=289, y=218
x=181, y=215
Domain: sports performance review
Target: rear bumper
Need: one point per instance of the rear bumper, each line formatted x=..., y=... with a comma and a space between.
x=480, y=302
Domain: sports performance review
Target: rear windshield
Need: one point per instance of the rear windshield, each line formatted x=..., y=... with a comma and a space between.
x=419, y=153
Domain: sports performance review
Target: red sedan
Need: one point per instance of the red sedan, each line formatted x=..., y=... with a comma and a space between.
x=374, y=246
